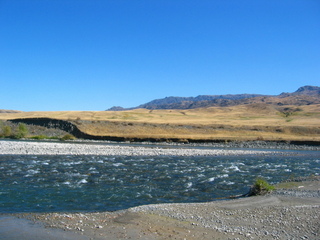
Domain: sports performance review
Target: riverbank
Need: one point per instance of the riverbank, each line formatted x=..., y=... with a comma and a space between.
x=291, y=213
x=62, y=148
x=18, y=147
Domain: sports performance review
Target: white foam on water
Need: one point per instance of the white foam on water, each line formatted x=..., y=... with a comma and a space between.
x=280, y=165
x=200, y=169
x=117, y=164
x=226, y=170
x=73, y=174
x=301, y=168
x=234, y=168
x=148, y=195
x=201, y=175
x=111, y=197
x=211, y=179
x=83, y=181
x=272, y=169
x=119, y=180
x=135, y=177
x=71, y=163
x=163, y=165
x=223, y=176
x=33, y=171
x=227, y=183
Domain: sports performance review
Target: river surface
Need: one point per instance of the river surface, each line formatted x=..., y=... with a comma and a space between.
x=53, y=183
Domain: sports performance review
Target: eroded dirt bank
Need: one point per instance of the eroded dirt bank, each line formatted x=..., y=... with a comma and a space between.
x=178, y=133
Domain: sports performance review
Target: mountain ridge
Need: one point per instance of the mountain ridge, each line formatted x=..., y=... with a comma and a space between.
x=305, y=95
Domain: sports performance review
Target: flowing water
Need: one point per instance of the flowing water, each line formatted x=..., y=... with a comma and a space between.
x=44, y=183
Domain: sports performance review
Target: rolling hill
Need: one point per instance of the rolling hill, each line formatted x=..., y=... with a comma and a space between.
x=285, y=117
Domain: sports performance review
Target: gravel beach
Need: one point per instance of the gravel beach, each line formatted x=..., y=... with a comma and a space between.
x=63, y=148
x=284, y=214
x=292, y=212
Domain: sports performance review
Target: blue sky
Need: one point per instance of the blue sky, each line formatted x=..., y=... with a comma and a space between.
x=95, y=54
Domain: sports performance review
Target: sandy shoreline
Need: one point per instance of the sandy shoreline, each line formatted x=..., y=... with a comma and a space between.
x=292, y=213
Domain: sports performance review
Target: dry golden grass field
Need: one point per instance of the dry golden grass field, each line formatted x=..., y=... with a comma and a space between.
x=243, y=122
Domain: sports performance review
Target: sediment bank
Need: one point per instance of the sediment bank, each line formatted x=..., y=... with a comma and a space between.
x=274, y=216
x=13, y=147
x=118, y=132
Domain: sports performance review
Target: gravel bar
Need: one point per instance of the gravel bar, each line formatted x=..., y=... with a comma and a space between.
x=274, y=216
x=57, y=148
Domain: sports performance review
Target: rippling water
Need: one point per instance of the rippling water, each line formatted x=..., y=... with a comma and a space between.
x=99, y=183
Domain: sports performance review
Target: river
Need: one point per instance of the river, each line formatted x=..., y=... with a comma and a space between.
x=58, y=183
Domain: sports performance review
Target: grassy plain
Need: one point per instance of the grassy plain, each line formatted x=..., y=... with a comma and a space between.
x=243, y=122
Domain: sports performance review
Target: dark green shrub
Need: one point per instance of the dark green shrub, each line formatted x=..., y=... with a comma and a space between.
x=260, y=187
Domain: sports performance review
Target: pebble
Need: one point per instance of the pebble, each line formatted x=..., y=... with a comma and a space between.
x=266, y=222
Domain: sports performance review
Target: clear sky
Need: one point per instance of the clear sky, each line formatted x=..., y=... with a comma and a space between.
x=95, y=54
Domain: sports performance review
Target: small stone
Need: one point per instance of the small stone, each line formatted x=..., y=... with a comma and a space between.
x=79, y=229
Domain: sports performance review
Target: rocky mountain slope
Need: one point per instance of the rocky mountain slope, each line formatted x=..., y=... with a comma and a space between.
x=305, y=95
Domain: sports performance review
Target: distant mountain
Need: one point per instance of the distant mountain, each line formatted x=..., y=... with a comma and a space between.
x=306, y=90
x=8, y=111
x=116, y=108
x=193, y=102
x=303, y=96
